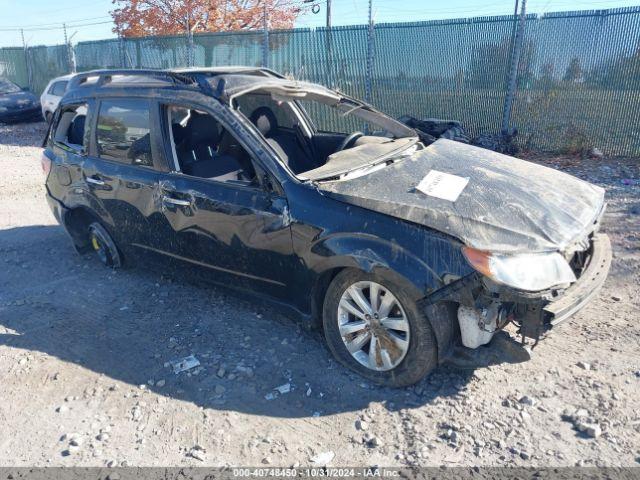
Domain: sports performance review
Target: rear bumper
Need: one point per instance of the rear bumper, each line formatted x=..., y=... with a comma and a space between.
x=587, y=286
x=57, y=208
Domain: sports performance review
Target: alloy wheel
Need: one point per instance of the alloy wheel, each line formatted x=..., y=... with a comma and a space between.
x=373, y=326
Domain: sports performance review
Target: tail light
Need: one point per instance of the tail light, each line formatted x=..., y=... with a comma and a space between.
x=45, y=162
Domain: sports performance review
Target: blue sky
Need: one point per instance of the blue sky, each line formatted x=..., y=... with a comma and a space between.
x=42, y=19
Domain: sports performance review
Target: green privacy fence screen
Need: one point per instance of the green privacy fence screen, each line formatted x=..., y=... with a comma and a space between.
x=578, y=78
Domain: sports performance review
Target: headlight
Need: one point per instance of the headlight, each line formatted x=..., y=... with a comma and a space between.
x=532, y=272
x=3, y=109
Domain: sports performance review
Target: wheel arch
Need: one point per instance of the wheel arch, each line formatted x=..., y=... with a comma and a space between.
x=76, y=221
x=371, y=254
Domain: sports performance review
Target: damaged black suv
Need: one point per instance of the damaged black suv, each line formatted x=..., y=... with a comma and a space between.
x=402, y=246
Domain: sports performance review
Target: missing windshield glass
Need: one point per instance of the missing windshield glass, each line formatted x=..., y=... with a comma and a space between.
x=318, y=133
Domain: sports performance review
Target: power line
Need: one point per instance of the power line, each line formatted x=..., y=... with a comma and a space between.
x=70, y=23
x=60, y=27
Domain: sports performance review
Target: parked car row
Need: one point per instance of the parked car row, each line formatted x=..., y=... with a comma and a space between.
x=18, y=104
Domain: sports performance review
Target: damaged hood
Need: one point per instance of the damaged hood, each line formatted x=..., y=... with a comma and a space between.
x=508, y=205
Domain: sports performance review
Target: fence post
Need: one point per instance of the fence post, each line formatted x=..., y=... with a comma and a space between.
x=369, y=71
x=265, y=38
x=328, y=47
x=123, y=58
x=27, y=60
x=71, y=58
x=513, y=74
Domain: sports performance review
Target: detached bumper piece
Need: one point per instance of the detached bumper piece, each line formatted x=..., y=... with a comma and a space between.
x=587, y=286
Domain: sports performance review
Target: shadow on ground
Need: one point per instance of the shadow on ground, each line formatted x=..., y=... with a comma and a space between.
x=127, y=324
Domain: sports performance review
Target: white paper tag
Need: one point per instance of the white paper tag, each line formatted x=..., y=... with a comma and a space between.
x=442, y=185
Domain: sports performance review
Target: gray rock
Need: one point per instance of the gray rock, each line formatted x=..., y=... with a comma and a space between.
x=584, y=365
x=75, y=440
x=593, y=430
x=197, y=452
x=361, y=425
x=375, y=442
x=526, y=400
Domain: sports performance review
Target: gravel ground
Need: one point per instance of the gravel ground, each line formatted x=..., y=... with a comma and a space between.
x=85, y=378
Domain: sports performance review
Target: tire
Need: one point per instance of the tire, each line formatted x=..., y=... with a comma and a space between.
x=104, y=246
x=48, y=117
x=395, y=366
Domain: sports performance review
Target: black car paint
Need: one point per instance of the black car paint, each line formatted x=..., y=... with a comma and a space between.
x=20, y=106
x=283, y=239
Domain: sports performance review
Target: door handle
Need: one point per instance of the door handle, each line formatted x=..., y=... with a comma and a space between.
x=95, y=181
x=176, y=201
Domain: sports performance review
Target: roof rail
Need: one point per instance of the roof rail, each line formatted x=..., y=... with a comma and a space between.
x=105, y=76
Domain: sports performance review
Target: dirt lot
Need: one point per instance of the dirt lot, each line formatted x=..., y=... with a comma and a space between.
x=83, y=352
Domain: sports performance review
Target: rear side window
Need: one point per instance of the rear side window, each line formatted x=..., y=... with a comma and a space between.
x=70, y=129
x=58, y=88
x=123, y=131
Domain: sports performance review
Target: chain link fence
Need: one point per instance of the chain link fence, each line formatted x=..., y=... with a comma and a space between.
x=577, y=84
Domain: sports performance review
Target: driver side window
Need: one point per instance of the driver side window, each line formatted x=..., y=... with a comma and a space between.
x=202, y=147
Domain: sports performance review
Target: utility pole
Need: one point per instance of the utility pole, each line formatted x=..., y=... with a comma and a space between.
x=329, y=46
x=265, y=40
x=26, y=59
x=513, y=75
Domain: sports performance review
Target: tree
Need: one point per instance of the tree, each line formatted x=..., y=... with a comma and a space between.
x=574, y=71
x=140, y=18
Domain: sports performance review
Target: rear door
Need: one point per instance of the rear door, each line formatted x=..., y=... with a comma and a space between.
x=69, y=144
x=121, y=170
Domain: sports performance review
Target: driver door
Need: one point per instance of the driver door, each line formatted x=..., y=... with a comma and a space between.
x=233, y=231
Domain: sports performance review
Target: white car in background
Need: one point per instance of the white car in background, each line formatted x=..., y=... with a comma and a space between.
x=52, y=94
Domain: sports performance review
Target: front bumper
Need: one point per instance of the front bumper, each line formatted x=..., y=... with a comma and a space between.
x=532, y=312
x=587, y=286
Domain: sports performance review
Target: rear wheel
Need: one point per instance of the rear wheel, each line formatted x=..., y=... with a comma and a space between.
x=104, y=246
x=375, y=329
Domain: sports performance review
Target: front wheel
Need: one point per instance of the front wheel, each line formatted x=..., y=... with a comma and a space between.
x=375, y=329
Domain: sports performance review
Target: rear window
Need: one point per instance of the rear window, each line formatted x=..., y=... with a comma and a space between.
x=58, y=88
x=123, y=131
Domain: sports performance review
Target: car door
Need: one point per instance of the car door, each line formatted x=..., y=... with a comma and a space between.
x=121, y=170
x=235, y=232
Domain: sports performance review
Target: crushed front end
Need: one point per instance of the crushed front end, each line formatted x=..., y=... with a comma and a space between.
x=486, y=306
